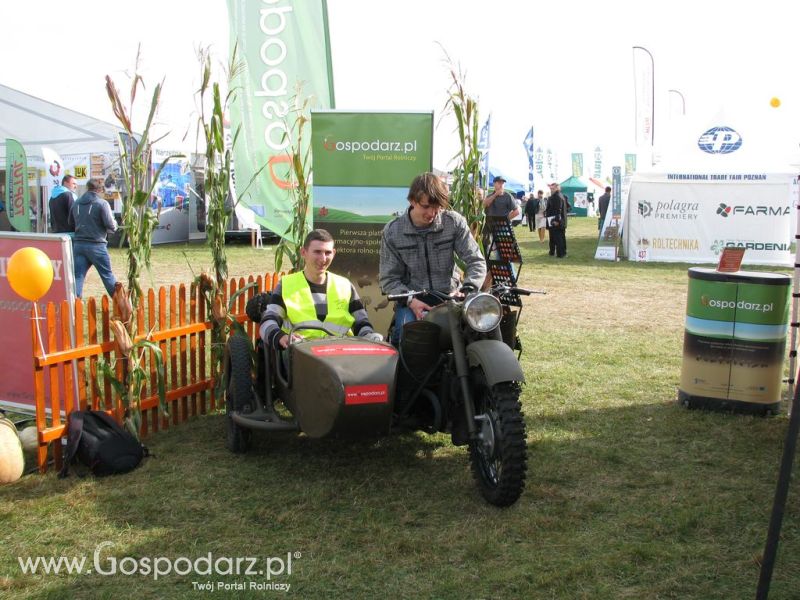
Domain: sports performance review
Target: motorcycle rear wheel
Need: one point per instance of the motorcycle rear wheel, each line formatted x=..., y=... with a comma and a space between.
x=499, y=458
x=239, y=392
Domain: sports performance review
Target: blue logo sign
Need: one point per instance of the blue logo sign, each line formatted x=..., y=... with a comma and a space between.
x=720, y=140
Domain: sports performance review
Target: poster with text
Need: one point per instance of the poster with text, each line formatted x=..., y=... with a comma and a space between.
x=364, y=163
x=16, y=341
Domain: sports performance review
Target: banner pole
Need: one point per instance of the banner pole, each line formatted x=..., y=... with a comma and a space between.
x=795, y=297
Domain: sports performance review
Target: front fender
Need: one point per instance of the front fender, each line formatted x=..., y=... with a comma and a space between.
x=498, y=361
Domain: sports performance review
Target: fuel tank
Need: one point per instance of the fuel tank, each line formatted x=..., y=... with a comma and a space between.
x=343, y=386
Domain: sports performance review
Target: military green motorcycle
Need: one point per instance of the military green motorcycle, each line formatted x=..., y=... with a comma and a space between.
x=455, y=371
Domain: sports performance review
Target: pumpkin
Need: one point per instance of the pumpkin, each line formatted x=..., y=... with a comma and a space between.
x=29, y=438
x=12, y=461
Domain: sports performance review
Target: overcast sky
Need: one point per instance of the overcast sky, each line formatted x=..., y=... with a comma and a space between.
x=564, y=67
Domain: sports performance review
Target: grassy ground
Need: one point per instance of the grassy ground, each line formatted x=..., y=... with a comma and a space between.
x=629, y=495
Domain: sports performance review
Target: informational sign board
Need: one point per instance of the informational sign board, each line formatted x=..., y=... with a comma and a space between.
x=609, y=242
x=364, y=163
x=680, y=217
x=16, y=341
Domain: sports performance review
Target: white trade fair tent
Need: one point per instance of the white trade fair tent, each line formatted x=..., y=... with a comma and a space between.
x=721, y=183
x=35, y=122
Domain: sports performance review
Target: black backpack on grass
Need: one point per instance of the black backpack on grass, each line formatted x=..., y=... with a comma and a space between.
x=97, y=441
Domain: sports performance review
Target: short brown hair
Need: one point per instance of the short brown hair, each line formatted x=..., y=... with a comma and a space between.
x=317, y=235
x=67, y=179
x=94, y=184
x=431, y=186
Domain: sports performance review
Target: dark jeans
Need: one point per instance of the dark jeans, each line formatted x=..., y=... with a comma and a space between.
x=558, y=241
x=87, y=254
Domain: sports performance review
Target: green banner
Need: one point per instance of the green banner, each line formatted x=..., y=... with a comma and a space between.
x=577, y=165
x=363, y=166
x=371, y=149
x=630, y=164
x=17, y=194
x=281, y=44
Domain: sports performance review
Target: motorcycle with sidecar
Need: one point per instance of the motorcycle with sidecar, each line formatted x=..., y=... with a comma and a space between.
x=454, y=371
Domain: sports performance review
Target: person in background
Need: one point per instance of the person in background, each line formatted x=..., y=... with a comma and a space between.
x=91, y=219
x=541, y=219
x=556, y=214
x=530, y=212
x=500, y=203
x=61, y=200
x=602, y=205
x=519, y=200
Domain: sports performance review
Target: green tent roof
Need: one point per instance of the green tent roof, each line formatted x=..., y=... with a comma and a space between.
x=574, y=184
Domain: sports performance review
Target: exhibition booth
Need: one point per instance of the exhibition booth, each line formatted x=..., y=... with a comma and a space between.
x=720, y=184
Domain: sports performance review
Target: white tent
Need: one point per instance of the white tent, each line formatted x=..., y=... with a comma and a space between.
x=720, y=183
x=35, y=122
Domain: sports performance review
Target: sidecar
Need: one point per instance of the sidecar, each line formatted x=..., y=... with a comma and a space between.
x=332, y=386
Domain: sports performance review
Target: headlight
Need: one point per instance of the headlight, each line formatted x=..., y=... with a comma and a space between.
x=482, y=312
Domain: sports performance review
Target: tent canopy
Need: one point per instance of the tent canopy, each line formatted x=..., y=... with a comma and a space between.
x=512, y=185
x=35, y=122
x=572, y=185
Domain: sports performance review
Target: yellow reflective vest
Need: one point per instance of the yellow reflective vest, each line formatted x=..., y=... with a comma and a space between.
x=300, y=307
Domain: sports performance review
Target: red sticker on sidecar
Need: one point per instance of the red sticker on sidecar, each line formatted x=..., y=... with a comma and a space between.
x=352, y=350
x=366, y=394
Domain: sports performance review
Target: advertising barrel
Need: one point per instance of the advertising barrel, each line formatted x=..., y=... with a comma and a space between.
x=735, y=339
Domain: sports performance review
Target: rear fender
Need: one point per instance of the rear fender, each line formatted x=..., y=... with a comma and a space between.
x=498, y=361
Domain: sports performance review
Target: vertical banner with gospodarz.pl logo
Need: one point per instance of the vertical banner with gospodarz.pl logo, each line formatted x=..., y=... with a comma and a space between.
x=363, y=166
x=281, y=43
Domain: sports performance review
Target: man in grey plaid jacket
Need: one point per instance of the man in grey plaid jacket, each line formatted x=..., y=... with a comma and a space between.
x=418, y=250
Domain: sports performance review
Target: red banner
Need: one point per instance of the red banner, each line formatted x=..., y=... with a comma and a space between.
x=16, y=343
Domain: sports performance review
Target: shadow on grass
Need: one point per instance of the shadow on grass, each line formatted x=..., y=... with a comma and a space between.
x=635, y=501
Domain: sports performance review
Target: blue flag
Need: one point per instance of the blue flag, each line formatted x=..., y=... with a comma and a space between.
x=483, y=146
x=528, y=144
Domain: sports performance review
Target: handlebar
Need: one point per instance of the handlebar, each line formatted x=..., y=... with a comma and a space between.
x=414, y=293
x=495, y=289
x=505, y=289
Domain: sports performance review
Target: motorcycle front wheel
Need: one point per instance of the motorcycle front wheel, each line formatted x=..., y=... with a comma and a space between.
x=499, y=455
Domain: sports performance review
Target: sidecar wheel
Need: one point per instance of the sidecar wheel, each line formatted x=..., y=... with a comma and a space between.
x=239, y=392
x=499, y=458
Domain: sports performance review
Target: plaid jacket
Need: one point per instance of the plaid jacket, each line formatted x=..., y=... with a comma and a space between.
x=413, y=259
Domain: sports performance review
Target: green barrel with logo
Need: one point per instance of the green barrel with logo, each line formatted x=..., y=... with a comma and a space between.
x=735, y=340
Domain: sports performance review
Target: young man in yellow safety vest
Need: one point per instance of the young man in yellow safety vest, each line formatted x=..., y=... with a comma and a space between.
x=314, y=296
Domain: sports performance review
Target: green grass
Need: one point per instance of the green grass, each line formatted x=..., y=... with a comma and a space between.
x=629, y=495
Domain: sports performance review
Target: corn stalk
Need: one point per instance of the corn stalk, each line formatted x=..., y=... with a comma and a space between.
x=300, y=178
x=218, y=182
x=138, y=222
x=465, y=192
x=218, y=156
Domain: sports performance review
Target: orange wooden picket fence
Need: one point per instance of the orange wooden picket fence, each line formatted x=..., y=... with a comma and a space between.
x=67, y=376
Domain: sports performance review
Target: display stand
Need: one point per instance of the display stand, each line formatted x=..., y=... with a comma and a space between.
x=503, y=263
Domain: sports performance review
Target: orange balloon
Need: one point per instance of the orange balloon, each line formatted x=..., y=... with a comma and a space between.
x=30, y=273
x=775, y=102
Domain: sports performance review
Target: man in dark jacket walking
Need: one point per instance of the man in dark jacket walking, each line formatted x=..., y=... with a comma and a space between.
x=92, y=220
x=556, y=215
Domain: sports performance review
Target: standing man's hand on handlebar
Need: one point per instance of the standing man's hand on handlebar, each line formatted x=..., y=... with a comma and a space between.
x=418, y=307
